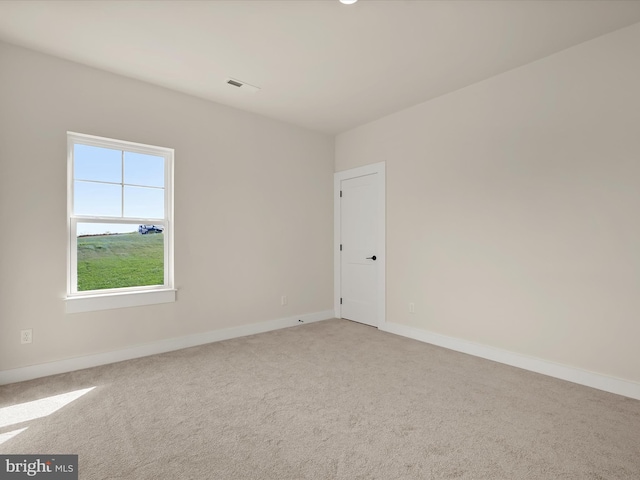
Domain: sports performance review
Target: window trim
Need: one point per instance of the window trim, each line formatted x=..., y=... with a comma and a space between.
x=128, y=296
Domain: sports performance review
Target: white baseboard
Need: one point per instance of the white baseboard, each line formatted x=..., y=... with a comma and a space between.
x=69, y=365
x=618, y=386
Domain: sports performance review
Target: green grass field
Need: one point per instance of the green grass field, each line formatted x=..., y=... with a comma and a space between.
x=118, y=261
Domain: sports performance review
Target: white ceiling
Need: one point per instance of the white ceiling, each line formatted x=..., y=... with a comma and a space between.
x=320, y=64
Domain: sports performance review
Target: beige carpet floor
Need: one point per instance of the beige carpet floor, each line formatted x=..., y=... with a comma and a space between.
x=329, y=400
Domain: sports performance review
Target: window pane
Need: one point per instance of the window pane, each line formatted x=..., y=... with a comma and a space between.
x=97, y=163
x=97, y=199
x=143, y=202
x=117, y=256
x=140, y=169
x=105, y=228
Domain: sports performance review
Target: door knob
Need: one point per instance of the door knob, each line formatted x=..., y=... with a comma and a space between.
x=371, y=258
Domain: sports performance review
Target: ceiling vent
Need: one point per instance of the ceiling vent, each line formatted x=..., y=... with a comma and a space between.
x=242, y=85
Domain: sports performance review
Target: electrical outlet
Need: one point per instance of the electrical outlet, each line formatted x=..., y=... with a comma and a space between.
x=26, y=336
x=412, y=307
x=283, y=300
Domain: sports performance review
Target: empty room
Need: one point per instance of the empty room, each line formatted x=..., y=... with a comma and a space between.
x=320, y=239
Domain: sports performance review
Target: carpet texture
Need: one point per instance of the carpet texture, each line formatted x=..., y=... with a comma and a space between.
x=328, y=400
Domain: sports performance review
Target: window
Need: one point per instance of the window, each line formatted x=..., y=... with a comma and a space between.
x=120, y=204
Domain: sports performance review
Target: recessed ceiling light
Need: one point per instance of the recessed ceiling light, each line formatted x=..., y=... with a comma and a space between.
x=348, y=2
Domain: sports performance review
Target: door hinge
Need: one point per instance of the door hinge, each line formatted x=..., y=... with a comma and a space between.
x=340, y=247
x=340, y=193
x=340, y=301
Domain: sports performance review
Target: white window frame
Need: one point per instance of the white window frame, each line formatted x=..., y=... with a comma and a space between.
x=118, y=297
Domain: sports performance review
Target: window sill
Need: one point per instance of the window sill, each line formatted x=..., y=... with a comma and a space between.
x=110, y=301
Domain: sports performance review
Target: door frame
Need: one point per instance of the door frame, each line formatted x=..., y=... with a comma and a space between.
x=338, y=177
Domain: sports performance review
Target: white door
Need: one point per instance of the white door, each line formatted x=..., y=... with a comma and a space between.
x=359, y=254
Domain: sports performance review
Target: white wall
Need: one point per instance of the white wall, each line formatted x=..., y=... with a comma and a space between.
x=253, y=210
x=513, y=208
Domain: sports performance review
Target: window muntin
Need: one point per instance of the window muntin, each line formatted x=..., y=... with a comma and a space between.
x=114, y=188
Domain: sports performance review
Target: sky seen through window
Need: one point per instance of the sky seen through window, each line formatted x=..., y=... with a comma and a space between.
x=116, y=183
